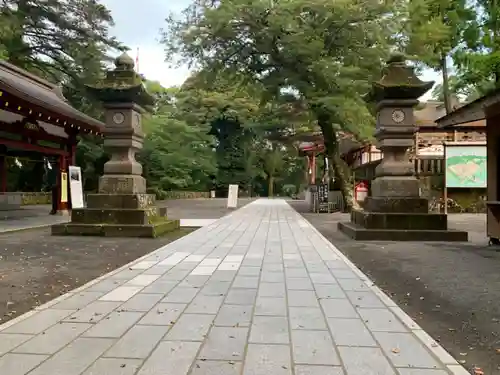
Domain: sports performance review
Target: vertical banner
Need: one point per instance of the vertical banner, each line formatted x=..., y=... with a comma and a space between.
x=76, y=187
x=64, y=187
x=232, y=196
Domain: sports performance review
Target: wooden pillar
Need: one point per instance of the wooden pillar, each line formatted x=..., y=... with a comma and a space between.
x=73, y=154
x=313, y=168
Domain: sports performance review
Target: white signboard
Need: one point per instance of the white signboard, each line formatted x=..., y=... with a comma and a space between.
x=75, y=186
x=435, y=150
x=232, y=196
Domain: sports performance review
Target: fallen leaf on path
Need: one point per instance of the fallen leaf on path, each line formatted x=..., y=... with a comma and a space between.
x=395, y=350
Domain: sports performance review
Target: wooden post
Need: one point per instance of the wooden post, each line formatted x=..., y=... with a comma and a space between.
x=313, y=168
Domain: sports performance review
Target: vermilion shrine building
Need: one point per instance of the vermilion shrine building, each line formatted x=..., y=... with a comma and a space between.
x=36, y=118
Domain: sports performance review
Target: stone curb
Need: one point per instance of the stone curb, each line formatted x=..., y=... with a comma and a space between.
x=13, y=230
x=439, y=352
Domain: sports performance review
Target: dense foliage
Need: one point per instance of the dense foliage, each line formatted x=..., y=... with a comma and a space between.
x=264, y=73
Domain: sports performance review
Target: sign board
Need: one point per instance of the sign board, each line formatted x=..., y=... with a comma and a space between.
x=323, y=191
x=431, y=151
x=232, y=196
x=64, y=187
x=75, y=186
x=465, y=166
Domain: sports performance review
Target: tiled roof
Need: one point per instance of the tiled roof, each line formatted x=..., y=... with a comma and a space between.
x=37, y=91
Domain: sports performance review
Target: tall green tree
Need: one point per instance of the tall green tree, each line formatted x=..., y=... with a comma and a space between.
x=478, y=58
x=66, y=42
x=325, y=52
x=176, y=156
x=435, y=28
x=226, y=110
x=59, y=39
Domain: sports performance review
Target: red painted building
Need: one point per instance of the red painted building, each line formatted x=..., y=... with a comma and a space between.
x=35, y=117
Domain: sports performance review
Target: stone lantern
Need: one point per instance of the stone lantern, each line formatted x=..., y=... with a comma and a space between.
x=395, y=211
x=121, y=207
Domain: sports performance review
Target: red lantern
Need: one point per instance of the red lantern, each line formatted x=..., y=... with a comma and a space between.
x=361, y=191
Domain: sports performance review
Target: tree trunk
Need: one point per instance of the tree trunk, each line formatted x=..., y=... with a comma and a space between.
x=446, y=85
x=270, y=187
x=332, y=153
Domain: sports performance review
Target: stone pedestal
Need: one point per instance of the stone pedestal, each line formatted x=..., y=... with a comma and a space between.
x=121, y=208
x=118, y=215
x=395, y=211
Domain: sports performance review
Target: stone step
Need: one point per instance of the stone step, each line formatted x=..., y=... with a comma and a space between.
x=120, y=200
x=412, y=221
x=128, y=216
x=114, y=230
x=359, y=233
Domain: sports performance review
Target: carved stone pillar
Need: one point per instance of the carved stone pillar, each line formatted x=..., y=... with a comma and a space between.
x=123, y=139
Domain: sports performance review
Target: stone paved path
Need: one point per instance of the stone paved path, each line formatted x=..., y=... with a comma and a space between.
x=258, y=292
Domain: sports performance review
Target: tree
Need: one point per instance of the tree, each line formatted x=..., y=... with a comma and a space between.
x=478, y=58
x=325, y=53
x=226, y=111
x=66, y=42
x=463, y=92
x=176, y=156
x=57, y=39
x=435, y=28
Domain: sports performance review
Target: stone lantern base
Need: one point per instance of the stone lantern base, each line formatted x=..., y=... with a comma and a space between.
x=118, y=215
x=399, y=219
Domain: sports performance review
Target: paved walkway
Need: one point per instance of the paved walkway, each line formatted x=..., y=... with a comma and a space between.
x=258, y=292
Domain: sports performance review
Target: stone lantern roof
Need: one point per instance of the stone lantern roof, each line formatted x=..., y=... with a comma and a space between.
x=122, y=85
x=398, y=82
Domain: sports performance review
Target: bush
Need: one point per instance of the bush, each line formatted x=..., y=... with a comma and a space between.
x=289, y=190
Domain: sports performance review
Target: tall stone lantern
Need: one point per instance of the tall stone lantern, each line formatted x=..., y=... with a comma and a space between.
x=395, y=211
x=121, y=207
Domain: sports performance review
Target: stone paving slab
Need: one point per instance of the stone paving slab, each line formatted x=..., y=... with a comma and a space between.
x=258, y=292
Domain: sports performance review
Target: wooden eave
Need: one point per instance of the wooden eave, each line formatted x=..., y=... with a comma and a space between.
x=479, y=109
x=39, y=93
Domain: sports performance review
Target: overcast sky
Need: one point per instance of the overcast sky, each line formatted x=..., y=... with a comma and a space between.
x=138, y=24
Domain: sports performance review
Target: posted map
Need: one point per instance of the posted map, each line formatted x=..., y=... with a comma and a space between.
x=466, y=167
